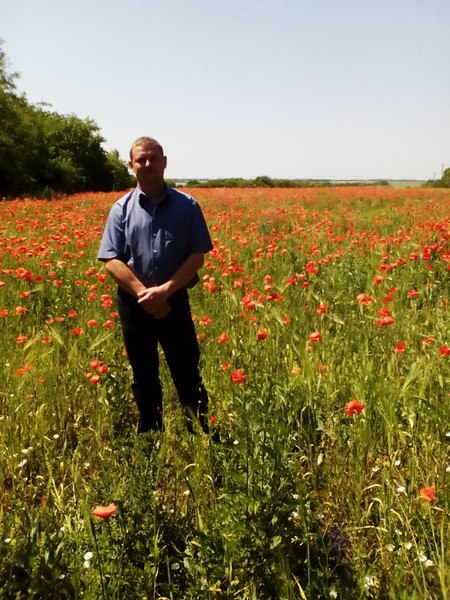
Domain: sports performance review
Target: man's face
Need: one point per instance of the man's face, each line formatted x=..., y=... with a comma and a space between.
x=148, y=164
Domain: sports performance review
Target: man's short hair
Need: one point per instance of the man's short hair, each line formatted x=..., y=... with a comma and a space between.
x=143, y=141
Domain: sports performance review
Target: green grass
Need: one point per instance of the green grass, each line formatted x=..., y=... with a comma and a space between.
x=299, y=500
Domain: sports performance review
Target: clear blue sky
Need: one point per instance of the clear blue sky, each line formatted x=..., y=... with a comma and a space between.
x=336, y=89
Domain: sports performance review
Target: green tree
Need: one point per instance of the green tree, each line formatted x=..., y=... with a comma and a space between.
x=44, y=152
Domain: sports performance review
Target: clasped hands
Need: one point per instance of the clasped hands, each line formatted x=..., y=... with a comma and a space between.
x=154, y=301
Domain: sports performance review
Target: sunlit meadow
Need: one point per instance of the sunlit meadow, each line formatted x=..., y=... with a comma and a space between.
x=323, y=319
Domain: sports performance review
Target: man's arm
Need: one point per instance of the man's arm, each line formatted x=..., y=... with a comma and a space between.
x=124, y=276
x=156, y=296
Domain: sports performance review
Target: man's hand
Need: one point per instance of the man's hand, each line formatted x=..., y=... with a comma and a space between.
x=154, y=301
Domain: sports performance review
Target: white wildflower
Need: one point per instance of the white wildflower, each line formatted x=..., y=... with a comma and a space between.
x=423, y=557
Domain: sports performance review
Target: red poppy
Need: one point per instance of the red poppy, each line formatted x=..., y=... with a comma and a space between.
x=444, y=350
x=213, y=420
x=311, y=268
x=205, y=321
x=21, y=339
x=20, y=310
x=387, y=320
x=429, y=340
x=413, y=293
x=322, y=308
x=91, y=323
x=93, y=379
x=364, y=299
x=223, y=337
x=25, y=369
x=238, y=376
x=428, y=493
x=400, y=347
x=315, y=336
x=104, y=512
x=354, y=407
x=77, y=331
x=262, y=335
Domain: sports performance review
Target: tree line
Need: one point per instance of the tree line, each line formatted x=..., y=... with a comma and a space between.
x=265, y=181
x=43, y=153
x=443, y=182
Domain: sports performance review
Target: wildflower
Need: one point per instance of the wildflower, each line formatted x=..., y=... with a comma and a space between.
x=414, y=294
x=76, y=331
x=311, y=268
x=87, y=560
x=315, y=336
x=25, y=369
x=400, y=347
x=104, y=512
x=91, y=323
x=72, y=313
x=238, y=376
x=369, y=582
x=354, y=407
x=108, y=324
x=364, y=299
x=427, y=341
x=322, y=308
x=213, y=420
x=223, y=337
x=383, y=321
x=262, y=335
x=205, y=321
x=21, y=339
x=428, y=493
x=20, y=310
x=444, y=350
x=93, y=379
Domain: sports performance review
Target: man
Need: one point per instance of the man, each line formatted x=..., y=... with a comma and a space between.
x=153, y=245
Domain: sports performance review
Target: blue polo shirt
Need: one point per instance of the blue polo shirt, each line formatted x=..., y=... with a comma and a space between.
x=154, y=241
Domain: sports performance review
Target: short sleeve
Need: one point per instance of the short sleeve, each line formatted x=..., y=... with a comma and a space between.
x=113, y=240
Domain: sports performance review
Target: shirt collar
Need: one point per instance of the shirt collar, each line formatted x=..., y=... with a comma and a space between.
x=142, y=196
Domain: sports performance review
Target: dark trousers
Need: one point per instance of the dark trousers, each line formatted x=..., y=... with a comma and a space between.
x=176, y=334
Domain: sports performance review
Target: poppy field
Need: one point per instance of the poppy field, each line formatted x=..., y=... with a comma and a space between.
x=323, y=321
